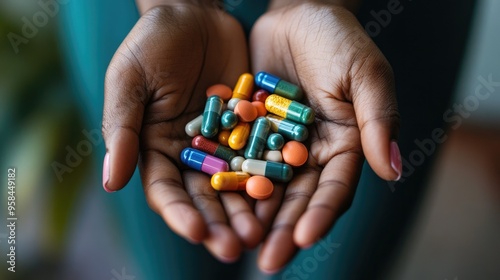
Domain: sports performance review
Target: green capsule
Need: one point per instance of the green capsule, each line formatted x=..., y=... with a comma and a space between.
x=211, y=116
x=288, y=128
x=258, y=138
x=228, y=120
x=275, y=141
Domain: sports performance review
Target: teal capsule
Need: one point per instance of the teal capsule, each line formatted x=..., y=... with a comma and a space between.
x=257, y=139
x=278, y=86
x=228, y=120
x=211, y=116
x=275, y=141
x=287, y=128
x=281, y=172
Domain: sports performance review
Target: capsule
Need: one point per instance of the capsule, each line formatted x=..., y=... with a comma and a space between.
x=281, y=172
x=289, y=109
x=211, y=116
x=193, y=127
x=244, y=87
x=203, y=162
x=278, y=86
x=275, y=141
x=229, y=181
x=228, y=120
x=213, y=148
x=239, y=136
x=224, y=137
x=288, y=128
x=272, y=156
x=258, y=138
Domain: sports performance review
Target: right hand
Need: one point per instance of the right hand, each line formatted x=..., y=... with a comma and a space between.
x=155, y=84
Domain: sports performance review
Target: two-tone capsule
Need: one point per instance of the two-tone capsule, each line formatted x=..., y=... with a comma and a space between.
x=287, y=128
x=229, y=181
x=211, y=116
x=289, y=109
x=193, y=127
x=258, y=138
x=281, y=172
x=203, y=162
x=213, y=148
x=278, y=86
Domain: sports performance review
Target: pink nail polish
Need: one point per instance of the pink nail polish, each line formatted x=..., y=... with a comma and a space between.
x=105, y=173
x=396, y=163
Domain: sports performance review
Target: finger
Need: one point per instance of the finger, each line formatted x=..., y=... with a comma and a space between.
x=124, y=101
x=375, y=105
x=265, y=210
x=166, y=196
x=279, y=246
x=333, y=196
x=222, y=242
x=242, y=219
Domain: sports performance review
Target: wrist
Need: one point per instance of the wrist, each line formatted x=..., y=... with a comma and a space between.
x=351, y=5
x=146, y=5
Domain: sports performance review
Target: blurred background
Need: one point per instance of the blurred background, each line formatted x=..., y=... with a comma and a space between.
x=65, y=231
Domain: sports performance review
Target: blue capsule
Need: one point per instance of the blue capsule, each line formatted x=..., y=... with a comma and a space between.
x=278, y=86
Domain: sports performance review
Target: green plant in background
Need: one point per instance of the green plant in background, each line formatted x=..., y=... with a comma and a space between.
x=38, y=120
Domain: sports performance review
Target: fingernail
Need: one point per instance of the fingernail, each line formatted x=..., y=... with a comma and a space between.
x=105, y=173
x=396, y=163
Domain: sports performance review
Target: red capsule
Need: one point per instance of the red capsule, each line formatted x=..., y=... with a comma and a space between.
x=213, y=148
x=260, y=95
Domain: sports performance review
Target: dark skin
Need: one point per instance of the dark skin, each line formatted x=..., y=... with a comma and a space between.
x=156, y=83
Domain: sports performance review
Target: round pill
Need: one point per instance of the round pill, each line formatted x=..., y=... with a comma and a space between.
x=294, y=153
x=261, y=108
x=220, y=90
x=259, y=187
x=260, y=95
x=245, y=111
x=224, y=137
x=236, y=163
x=229, y=120
x=275, y=141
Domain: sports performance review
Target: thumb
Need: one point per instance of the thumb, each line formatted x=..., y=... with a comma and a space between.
x=375, y=105
x=124, y=99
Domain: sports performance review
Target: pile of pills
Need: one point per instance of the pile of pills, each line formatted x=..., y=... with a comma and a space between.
x=245, y=139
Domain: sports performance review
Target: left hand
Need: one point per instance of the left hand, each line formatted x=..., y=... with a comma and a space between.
x=349, y=84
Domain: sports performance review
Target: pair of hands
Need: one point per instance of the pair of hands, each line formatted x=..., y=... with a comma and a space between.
x=156, y=83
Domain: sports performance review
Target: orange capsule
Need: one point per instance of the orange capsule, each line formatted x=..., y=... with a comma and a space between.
x=245, y=111
x=261, y=108
x=294, y=153
x=244, y=87
x=259, y=187
x=220, y=90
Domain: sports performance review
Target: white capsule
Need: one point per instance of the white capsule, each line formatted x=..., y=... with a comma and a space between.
x=272, y=156
x=193, y=127
x=231, y=104
x=236, y=163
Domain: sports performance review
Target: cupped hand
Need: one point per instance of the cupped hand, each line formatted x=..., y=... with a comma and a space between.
x=155, y=84
x=349, y=84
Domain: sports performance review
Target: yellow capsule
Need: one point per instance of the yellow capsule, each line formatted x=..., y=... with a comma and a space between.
x=289, y=109
x=244, y=87
x=224, y=137
x=239, y=136
x=229, y=181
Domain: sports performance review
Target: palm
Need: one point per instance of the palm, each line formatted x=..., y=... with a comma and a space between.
x=166, y=63
x=321, y=49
